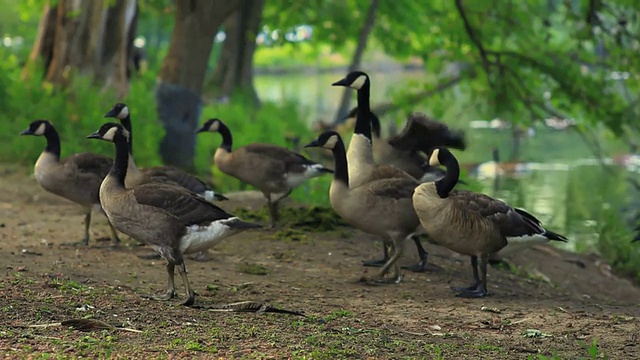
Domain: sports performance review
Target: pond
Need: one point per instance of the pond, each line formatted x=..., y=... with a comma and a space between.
x=564, y=185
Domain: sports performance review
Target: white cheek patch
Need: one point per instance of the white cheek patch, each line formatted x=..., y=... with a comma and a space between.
x=358, y=83
x=433, y=159
x=123, y=113
x=110, y=134
x=331, y=142
x=214, y=126
x=40, y=130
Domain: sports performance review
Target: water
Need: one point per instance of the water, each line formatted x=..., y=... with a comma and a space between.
x=319, y=99
x=565, y=187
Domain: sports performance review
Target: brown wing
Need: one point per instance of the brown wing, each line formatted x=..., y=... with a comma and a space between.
x=174, y=176
x=91, y=163
x=392, y=188
x=510, y=221
x=292, y=161
x=184, y=205
x=391, y=172
x=422, y=133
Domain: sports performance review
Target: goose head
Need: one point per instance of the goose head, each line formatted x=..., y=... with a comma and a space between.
x=211, y=125
x=37, y=128
x=119, y=111
x=355, y=80
x=326, y=140
x=111, y=132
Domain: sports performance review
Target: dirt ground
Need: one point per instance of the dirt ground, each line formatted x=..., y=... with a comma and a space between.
x=549, y=303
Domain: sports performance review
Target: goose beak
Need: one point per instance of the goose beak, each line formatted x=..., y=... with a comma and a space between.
x=314, y=143
x=341, y=82
x=201, y=130
x=111, y=114
x=95, y=135
x=27, y=132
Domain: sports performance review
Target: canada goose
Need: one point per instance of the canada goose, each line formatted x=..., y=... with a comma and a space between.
x=270, y=168
x=171, y=219
x=380, y=207
x=495, y=168
x=471, y=223
x=362, y=167
x=407, y=150
x=76, y=178
x=162, y=174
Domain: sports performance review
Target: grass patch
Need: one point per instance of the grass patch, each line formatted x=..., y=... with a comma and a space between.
x=253, y=269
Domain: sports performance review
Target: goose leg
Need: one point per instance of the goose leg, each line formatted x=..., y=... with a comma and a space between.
x=480, y=289
x=114, y=235
x=171, y=290
x=273, y=211
x=476, y=278
x=422, y=253
x=396, y=252
x=191, y=296
x=87, y=223
x=378, y=262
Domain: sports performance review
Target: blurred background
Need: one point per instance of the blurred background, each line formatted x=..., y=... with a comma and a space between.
x=548, y=88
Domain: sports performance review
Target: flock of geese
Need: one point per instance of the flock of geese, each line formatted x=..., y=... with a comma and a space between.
x=393, y=188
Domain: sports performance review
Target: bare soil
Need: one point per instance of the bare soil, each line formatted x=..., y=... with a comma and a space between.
x=549, y=303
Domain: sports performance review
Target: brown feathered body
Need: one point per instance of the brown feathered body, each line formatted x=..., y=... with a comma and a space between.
x=76, y=178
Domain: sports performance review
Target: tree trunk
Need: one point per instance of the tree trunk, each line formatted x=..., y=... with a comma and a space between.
x=114, y=60
x=43, y=46
x=234, y=70
x=182, y=74
x=357, y=58
x=89, y=37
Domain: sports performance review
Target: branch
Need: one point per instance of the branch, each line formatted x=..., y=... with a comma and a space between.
x=414, y=98
x=473, y=37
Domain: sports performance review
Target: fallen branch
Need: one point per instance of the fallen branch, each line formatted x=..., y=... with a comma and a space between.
x=250, y=306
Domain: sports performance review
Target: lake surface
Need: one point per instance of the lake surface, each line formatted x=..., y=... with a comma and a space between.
x=566, y=187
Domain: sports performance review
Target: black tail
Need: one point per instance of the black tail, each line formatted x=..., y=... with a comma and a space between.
x=219, y=197
x=325, y=170
x=236, y=223
x=455, y=140
x=555, y=236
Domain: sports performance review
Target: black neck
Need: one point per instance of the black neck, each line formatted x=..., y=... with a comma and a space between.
x=375, y=125
x=227, y=140
x=126, y=123
x=363, y=114
x=450, y=179
x=53, y=141
x=119, y=169
x=341, y=173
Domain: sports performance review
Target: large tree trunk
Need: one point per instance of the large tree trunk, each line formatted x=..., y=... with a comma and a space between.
x=43, y=46
x=88, y=37
x=365, y=30
x=182, y=74
x=234, y=70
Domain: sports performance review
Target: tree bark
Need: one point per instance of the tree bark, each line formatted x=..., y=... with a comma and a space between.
x=234, y=70
x=182, y=74
x=89, y=37
x=43, y=46
x=365, y=30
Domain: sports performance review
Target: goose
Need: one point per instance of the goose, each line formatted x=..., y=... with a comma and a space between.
x=496, y=168
x=76, y=178
x=162, y=174
x=362, y=166
x=270, y=168
x=473, y=224
x=171, y=219
x=380, y=207
x=407, y=149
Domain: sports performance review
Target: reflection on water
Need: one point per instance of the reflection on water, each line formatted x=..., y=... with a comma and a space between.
x=567, y=199
x=319, y=99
